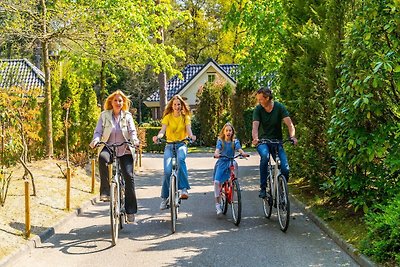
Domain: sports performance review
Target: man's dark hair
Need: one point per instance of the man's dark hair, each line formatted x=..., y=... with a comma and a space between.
x=266, y=92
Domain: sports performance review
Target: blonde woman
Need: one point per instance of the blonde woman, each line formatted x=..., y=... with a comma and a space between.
x=176, y=126
x=116, y=125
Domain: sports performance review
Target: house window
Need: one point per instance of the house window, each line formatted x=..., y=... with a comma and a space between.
x=211, y=78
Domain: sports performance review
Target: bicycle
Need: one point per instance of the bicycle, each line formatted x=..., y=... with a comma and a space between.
x=117, y=190
x=276, y=188
x=174, y=199
x=230, y=192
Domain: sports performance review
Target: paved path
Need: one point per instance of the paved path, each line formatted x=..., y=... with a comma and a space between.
x=201, y=239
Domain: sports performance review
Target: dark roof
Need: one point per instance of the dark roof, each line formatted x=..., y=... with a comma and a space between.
x=175, y=85
x=20, y=72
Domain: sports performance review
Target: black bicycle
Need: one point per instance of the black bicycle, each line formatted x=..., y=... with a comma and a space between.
x=277, y=190
x=117, y=190
x=174, y=199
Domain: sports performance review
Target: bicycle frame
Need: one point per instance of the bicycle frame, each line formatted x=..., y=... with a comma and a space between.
x=174, y=194
x=277, y=191
x=228, y=190
x=117, y=191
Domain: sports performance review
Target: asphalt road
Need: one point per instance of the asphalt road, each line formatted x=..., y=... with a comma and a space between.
x=202, y=238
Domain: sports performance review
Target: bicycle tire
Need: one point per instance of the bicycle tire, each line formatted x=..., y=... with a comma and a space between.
x=236, y=203
x=122, y=213
x=172, y=202
x=268, y=200
x=283, y=204
x=114, y=214
x=223, y=200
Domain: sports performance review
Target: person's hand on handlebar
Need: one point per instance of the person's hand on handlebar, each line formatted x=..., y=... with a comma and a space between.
x=93, y=143
x=294, y=140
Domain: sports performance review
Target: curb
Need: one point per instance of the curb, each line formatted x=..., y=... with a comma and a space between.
x=49, y=232
x=361, y=259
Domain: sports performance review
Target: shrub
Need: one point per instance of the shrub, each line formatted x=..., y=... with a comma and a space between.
x=382, y=241
x=150, y=146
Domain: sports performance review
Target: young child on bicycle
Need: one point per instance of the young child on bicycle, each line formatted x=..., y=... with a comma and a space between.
x=227, y=144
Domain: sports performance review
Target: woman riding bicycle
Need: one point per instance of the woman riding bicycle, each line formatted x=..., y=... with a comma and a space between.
x=176, y=126
x=116, y=125
x=227, y=144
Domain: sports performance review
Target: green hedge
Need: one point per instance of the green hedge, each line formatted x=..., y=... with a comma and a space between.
x=149, y=145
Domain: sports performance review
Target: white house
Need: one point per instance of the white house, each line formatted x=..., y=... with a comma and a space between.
x=194, y=77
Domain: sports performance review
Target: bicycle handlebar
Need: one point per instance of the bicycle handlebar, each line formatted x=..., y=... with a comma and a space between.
x=115, y=145
x=162, y=140
x=274, y=141
x=234, y=157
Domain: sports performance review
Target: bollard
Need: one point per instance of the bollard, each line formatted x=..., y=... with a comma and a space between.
x=93, y=174
x=68, y=200
x=27, y=211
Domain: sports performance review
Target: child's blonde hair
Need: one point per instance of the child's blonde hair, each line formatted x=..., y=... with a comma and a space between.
x=221, y=134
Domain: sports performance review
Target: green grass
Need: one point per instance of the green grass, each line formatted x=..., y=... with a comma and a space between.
x=341, y=217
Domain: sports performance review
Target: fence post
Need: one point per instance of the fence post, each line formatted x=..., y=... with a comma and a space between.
x=68, y=200
x=27, y=210
x=93, y=174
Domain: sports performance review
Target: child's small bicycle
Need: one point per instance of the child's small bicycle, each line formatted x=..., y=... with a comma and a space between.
x=230, y=192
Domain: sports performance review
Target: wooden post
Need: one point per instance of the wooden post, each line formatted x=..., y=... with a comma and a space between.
x=93, y=174
x=68, y=200
x=27, y=211
x=140, y=156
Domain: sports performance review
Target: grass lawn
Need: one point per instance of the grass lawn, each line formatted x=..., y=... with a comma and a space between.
x=339, y=216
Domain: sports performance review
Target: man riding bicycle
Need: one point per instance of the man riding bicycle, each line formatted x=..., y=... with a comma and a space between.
x=267, y=124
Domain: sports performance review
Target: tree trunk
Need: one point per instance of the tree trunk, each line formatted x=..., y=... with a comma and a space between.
x=102, y=83
x=162, y=76
x=47, y=85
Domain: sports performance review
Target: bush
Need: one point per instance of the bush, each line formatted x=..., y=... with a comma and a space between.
x=150, y=146
x=382, y=241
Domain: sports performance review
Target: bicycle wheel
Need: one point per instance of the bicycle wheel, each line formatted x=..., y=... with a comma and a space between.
x=114, y=212
x=267, y=201
x=236, y=203
x=122, y=212
x=172, y=202
x=283, y=204
x=223, y=199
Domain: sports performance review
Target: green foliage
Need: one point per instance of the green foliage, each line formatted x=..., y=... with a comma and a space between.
x=303, y=88
x=150, y=146
x=364, y=132
x=213, y=110
x=243, y=103
x=382, y=240
x=260, y=27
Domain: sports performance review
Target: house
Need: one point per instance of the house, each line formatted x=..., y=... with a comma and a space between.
x=194, y=77
x=20, y=73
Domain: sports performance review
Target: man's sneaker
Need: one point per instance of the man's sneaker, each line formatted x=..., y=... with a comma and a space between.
x=263, y=193
x=164, y=204
x=104, y=198
x=218, y=208
x=130, y=218
x=184, y=194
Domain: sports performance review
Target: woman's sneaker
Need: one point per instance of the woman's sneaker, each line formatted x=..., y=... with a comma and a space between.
x=164, y=204
x=218, y=209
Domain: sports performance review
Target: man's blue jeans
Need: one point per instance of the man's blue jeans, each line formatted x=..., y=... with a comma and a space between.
x=183, y=182
x=264, y=152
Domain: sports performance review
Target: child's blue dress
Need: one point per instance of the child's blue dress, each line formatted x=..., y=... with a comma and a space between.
x=221, y=169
